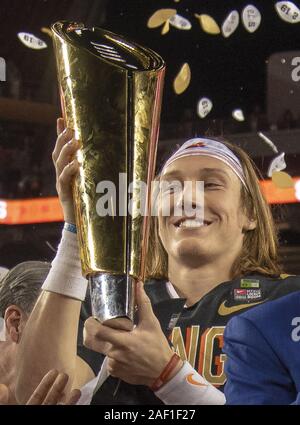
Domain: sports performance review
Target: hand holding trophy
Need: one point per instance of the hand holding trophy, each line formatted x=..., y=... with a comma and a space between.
x=111, y=91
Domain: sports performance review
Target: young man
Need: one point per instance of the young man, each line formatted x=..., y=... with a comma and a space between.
x=262, y=346
x=221, y=267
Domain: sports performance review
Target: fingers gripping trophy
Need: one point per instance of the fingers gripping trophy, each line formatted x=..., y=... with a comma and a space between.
x=111, y=92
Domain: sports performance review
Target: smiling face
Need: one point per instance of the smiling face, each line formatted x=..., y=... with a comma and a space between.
x=221, y=234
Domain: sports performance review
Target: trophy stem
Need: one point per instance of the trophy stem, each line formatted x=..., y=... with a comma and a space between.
x=112, y=298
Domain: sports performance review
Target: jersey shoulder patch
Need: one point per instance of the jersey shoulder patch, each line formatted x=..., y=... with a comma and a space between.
x=283, y=285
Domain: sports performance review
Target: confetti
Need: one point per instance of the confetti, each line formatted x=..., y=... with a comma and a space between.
x=238, y=115
x=282, y=180
x=204, y=107
x=166, y=27
x=208, y=24
x=268, y=141
x=251, y=18
x=31, y=41
x=180, y=22
x=47, y=31
x=51, y=247
x=288, y=11
x=231, y=23
x=278, y=164
x=183, y=78
x=160, y=17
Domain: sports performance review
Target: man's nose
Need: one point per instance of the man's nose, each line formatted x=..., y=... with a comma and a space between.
x=190, y=200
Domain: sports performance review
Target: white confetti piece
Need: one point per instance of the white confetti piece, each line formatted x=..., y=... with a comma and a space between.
x=204, y=107
x=180, y=22
x=231, y=23
x=288, y=11
x=238, y=115
x=251, y=18
x=278, y=164
x=268, y=142
x=31, y=41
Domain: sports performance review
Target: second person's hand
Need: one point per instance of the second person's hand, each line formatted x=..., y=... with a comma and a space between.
x=51, y=390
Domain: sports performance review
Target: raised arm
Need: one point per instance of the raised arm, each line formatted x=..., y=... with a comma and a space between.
x=50, y=336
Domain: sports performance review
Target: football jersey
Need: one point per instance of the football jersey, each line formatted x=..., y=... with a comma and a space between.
x=262, y=345
x=197, y=333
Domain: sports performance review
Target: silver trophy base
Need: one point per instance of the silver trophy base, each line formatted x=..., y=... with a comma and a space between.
x=112, y=298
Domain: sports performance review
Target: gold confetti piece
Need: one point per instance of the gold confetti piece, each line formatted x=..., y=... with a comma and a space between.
x=160, y=17
x=282, y=180
x=277, y=164
x=288, y=11
x=47, y=31
x=208, y=24
x=166, y=28
x=177, y=1
x=183, y=79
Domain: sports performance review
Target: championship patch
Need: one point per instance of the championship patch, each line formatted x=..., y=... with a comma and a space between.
x=249, y=283
x=254, y=294
x=247, y=294
x=240, y=295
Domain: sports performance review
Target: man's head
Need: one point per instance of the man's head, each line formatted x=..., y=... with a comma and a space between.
x=237, y=220
x=19, y=290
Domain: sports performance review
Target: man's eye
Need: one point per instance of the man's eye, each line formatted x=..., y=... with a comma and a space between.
x=211, y=185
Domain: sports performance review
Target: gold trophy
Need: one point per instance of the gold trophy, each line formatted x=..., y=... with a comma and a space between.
x=111, y=93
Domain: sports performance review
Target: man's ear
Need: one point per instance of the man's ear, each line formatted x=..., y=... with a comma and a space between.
x=251, y=224
x=13, y=322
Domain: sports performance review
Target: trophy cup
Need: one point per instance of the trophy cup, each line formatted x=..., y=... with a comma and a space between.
x=111, y=92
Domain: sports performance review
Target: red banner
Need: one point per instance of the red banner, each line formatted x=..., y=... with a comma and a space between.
x=28, y=211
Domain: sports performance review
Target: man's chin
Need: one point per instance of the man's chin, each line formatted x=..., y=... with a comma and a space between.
x=193, y=254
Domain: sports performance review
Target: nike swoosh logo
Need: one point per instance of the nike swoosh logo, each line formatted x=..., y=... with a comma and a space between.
x=225, y=311
x=191, y=380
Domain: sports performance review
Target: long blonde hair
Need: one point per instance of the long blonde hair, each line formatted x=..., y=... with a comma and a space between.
x=260, y=246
